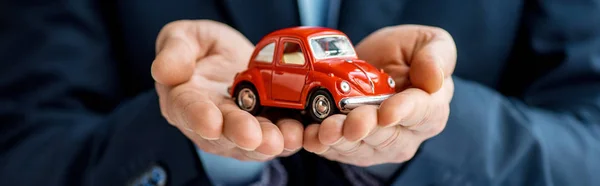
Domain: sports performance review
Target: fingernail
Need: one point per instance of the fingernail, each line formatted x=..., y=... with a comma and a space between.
x=246, y=149
x=206, y=138
x=243, y=148
x=440, y=62
x=338, y=141
x=323, y=151
x=199, y=134
x=291, y=150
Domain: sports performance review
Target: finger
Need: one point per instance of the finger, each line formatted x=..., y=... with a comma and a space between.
x=193, y=110
x=261, y=119
x=162, y=92
x=331, y=133
x=385, y=137
x=360, y=122
x=176, y=54
x=428, y=52
x=331, y=129
x=425, y=72
x=247, y=156
x=292, y=131
x=380, y=136
x=272, y=142
x=402, y=147
x=440, y=43
x=410, y=108
x=433, y=63
x=346, y=147
x=287, y=153
x=221, y=146
x=240, y=127
x=311, y=140
x=362, y=156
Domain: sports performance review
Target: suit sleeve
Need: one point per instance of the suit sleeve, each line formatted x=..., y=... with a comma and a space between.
x=64, y=119
x=548, y=134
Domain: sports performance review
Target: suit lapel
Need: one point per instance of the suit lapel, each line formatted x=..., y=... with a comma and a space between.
x=257, y=18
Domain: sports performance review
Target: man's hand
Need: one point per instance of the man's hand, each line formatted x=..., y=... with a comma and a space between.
x=195, y=63
x=421, y=59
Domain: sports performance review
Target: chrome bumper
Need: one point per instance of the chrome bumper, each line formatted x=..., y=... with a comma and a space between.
x=347, y=104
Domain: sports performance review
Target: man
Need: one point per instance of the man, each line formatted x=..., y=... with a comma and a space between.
x=519, y=106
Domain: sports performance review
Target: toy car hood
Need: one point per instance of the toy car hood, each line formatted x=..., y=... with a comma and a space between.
x=358, y=73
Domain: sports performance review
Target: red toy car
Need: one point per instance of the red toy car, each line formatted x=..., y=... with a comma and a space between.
x=309, y=68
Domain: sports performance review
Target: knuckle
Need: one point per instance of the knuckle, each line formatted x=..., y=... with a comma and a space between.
x=181, y=99
x=394, y=139
x=351, y=151
x=436, y=122
x=185, y=102
x=425, y=120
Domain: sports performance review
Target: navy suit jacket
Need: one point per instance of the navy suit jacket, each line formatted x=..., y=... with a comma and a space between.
x=77, y=104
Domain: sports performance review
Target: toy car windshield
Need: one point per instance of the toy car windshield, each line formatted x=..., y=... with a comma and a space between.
x=329, y=46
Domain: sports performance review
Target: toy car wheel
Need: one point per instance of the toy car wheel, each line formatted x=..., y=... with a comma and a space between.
x=321, y=105
x=246, y=97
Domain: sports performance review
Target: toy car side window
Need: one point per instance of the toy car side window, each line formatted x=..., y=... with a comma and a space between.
x=265, y=55
x=292, y=54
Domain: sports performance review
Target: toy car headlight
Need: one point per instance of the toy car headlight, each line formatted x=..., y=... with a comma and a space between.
x=391, y=82
x=344, y=86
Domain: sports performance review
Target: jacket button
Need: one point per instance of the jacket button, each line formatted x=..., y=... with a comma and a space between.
x=158, y=176
x=155, y=176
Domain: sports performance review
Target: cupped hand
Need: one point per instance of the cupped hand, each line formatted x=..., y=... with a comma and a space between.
x=195, y=63
x=421, y=59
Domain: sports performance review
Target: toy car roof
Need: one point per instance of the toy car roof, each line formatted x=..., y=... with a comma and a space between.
x=304, y=31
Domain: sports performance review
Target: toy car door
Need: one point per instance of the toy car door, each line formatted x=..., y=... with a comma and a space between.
x=289, y=74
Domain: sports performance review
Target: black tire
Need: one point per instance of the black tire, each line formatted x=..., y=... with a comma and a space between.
x=246, y=89
x=322, y=97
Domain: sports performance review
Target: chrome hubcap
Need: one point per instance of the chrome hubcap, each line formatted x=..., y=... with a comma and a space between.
x=321, y=106
x=246, y=99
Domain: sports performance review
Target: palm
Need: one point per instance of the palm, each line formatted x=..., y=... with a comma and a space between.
x=195, y=64
x=215, y=74
x=421, y=60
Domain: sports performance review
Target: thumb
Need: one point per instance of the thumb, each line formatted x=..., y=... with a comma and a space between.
x=433, y=62
x=176, y=54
